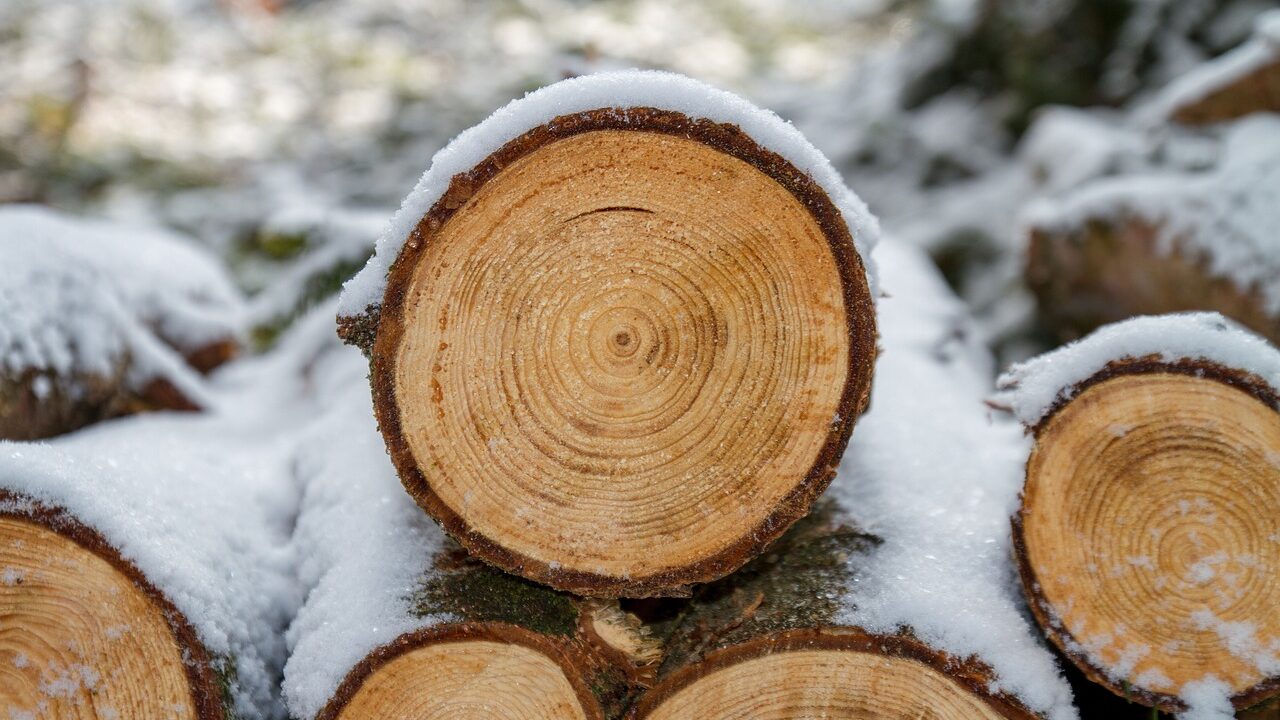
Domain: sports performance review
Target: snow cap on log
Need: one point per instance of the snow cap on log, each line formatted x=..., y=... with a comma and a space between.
x=92, y=309
x=203, y=522
x=621, y=90
x=1034, y=389
x=1242, y=81
x=1223, y=219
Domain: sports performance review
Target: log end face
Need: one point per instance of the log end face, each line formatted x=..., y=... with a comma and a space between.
x=625, y=358
x=80, y=639
x=822, y=674
x=1149, y=539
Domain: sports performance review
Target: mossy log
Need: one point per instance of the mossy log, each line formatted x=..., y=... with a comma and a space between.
x=85, y=635
x=623, y=353
x=1146, y=538
x=1107, y=270
x=767, y=642
x=512, y=649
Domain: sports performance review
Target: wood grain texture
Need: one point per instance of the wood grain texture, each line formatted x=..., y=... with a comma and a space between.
x=1147, y=535
x=624, y=353
x=84, y=636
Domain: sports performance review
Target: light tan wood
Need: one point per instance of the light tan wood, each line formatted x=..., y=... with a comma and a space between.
x=473, y=679
x=622, y=353
x=1151, y=521
x=78, y=640
x=828, y=684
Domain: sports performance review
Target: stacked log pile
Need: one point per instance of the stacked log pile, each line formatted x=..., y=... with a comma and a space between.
x=618, y=340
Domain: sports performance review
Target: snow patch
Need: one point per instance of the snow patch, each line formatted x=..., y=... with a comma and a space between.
x=83, y=296
x=1227, y=215
x=363, y=545
x=931, y=475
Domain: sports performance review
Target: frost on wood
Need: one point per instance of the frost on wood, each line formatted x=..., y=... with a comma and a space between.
x=1030, y=390
x=200, y=511
x=97, y=318
x=1146, y=528
x=1167, y=241
x=621, y=90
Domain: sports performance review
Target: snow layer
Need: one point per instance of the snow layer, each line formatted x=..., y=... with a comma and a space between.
x=202, y=508
x=362, y=543
x=82, y=296
x=1228, y=215
x=621, y=89
x=205, y=504
x=1030, y=389
x=928, y=472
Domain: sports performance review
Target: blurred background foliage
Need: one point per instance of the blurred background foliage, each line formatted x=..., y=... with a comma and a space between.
x=282, y=133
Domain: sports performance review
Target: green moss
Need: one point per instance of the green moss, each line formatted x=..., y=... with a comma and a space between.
x=475, y=592
x=797, y=583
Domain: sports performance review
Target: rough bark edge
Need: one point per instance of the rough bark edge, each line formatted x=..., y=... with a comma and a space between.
x=859, y=317
x=208, y=692
x=1062, y=638
x=970, y=674
x=574, y=669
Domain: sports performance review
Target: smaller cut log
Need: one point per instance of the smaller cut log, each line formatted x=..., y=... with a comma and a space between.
x=142, y=575
x=1146, y=536
x=400, y=622
x=620, y=333
x=1242, y=81
x=99, y=320
x=1165, y=242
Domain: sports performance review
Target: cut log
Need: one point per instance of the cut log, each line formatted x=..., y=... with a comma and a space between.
x=1147, y=535
x=623, y=345
x=143, y=571
x=99, y=320
x=1165, y=242
x=767, y=642
x=85, y=635
x=401, y=622
x=1240, y=82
